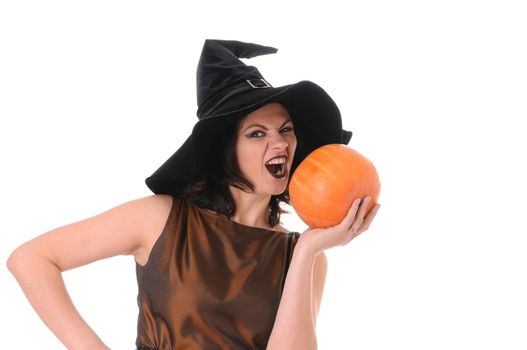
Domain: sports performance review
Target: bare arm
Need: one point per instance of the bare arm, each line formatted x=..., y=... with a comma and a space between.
x=294, y=326
x=295, y=322
x=43, y=285
x=127, y=229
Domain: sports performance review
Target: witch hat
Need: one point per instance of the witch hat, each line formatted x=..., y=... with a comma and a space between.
x=227, y=90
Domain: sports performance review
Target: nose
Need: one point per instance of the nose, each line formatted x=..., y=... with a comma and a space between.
x=278, y=142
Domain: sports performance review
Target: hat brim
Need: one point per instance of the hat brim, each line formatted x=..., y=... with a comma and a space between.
x=316, y=119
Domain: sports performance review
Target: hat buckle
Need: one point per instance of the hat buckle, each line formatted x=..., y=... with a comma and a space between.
x=258, y=83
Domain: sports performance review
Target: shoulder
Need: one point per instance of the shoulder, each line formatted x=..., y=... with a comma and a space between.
x=281, y=228
x=151, y=208
x=159, y=201
x=155, y=210
x=151, y=213
x=148, y=214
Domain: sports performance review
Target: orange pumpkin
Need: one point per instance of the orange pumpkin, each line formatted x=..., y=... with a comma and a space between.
x=325, y=184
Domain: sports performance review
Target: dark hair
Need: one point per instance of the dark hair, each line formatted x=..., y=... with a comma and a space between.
x=212, y=191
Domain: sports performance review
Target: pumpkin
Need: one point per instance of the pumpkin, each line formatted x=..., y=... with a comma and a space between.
x=327, y=182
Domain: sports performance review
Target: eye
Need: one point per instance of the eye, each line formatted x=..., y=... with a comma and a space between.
x=256, y=134
x=287, y=129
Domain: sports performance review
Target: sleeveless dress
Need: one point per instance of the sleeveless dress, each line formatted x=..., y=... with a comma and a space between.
x=211, y=283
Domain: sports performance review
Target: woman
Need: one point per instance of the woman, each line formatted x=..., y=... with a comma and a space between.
x=215, y=268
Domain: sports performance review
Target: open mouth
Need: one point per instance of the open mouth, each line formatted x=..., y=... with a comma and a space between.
x=276, y=167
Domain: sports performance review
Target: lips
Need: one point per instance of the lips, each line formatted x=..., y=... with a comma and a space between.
x=276, y=166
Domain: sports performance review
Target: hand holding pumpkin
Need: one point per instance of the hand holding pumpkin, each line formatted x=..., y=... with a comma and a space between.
x=326, y=191
x=356, y=221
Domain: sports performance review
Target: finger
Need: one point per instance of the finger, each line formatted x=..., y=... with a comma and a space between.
x=360, y=217
x=348, y=220
x=370, y=216
x=354, y=233
x=365, y=224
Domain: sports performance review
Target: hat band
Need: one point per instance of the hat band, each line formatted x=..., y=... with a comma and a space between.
x=214, y=101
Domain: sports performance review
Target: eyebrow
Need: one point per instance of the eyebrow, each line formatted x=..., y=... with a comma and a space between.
x=263, y=127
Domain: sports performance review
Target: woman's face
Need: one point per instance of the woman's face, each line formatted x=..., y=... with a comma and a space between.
x=265, y=146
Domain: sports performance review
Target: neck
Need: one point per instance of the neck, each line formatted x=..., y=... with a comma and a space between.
x=251, y=209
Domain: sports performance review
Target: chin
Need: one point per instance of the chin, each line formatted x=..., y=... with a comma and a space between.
x=277, y=193
x=276, y=190
x=272, y=190
x=273, y=187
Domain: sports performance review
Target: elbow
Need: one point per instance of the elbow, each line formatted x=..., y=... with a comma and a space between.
x=23, y=260
x=16, y=260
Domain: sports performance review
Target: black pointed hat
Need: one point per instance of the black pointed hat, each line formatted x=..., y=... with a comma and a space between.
x=227, y=90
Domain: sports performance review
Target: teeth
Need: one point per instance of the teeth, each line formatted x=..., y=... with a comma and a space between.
x=278, y=160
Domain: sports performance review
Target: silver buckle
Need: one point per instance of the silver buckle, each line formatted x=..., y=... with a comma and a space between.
x=258, y=83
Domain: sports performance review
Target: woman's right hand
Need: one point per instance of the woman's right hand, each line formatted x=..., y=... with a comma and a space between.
x=356, y=221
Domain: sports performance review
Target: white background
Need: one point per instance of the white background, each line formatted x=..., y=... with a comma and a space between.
x=95, y=96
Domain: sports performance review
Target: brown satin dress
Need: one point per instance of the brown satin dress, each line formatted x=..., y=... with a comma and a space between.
x=211, y=283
